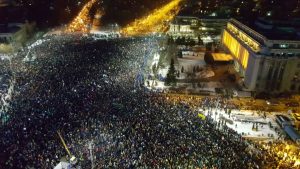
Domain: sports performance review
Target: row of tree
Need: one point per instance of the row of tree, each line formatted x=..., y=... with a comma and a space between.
x=185, y=41
x=171, y=75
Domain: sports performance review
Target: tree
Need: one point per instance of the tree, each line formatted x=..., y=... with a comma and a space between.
x=182, y=41
x=187, y=41
x=180, y=54
x=177, y=41
x=171, y=40
x=21, y=37
x=200, y=41
x=192, y=43
x=194, y=69
x=209, y=46
x=171, y=75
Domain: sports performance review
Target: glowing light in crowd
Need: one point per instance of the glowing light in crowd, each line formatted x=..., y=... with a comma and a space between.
x=82, y=21
x=297, y=163
x=155, y=22
x=287, y=153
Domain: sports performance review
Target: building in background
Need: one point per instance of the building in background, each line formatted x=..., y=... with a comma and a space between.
x=8, y=30
x=266, y=53
x=184, y=26
x=208, y=30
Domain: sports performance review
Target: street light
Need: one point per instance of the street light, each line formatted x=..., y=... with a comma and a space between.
x=91, y=147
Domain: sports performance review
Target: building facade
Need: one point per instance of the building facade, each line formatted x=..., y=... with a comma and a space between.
x=266, y=54
x=8, y=30
x=209, y=30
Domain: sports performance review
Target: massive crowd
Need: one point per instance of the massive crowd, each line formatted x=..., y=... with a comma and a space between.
x=85, y=90
x=6, y=79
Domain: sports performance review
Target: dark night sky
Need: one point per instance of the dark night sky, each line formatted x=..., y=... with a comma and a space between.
x=54, y=12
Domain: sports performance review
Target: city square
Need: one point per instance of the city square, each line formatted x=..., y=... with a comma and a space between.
x=166, y=90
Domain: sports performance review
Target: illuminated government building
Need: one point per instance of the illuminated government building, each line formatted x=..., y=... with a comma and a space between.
x=266, y=53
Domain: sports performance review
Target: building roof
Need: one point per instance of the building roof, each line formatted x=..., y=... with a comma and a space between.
x=222, y=57
x=178, y=21
x=275, y=29
x=6, y=28
x=282, y=118
x=293, y=134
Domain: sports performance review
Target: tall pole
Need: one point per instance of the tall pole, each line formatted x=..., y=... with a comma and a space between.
x=91, y=146
x=64, y=144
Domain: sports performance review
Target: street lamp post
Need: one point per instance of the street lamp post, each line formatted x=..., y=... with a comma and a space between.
x=91, y=147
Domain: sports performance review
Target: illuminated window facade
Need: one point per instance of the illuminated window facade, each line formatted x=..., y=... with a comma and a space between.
x=244, y=37
x=267, y=65
x=238, y=51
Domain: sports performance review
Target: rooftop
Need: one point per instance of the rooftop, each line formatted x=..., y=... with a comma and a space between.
x=9, y=28
x=276, y=29
x=282, y=118
x=222, y=57
x=180, y=21
x=294, y=135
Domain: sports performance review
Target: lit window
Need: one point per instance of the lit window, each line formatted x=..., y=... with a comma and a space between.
x=283, y=46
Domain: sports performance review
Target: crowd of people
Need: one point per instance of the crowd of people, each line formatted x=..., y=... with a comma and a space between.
x=280, y=154
x=84, y=89
x=6, y=85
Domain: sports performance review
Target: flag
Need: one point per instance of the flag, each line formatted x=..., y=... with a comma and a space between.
x=201, y=116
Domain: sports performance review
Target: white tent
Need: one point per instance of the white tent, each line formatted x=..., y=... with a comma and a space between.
x=63, y=165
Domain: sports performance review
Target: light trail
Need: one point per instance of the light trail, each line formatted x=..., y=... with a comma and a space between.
x=82, y=21
x=155, y=22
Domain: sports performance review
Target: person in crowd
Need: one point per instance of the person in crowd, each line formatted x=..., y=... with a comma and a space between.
x=85, y=90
